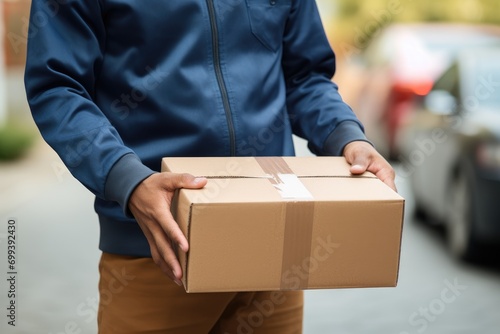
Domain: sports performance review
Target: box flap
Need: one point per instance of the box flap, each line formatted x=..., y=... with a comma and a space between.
x=321, y=166
x=214, y=167
x=259, y=167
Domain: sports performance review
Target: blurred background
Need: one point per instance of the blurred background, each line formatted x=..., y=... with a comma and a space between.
x=424, y=78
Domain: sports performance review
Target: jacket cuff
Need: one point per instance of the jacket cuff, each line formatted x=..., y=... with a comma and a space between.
x=345, y=133
x=123, y=178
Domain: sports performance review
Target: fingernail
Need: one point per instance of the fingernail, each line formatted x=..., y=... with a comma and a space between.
x=199, y=179
x=179, y=283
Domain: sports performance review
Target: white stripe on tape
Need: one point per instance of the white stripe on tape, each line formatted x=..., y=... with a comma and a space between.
x=290, y=187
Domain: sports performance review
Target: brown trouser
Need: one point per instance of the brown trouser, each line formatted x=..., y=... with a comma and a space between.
x=136, y=297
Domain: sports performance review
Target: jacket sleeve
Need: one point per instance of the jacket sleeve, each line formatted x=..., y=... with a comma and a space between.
x=316, y=109
x=65, y=52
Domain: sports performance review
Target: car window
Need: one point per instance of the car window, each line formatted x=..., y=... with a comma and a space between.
x=449, y=82
x=481, y=80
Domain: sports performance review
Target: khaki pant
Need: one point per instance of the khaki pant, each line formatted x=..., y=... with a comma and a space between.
x=136, y=297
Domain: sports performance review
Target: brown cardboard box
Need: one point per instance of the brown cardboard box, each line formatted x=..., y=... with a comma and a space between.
x=286, y=223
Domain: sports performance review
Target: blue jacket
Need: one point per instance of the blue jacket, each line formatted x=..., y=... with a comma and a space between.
x=115, y=85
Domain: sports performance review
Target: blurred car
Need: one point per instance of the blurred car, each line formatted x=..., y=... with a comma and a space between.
x=452, y=152
x=402, y=64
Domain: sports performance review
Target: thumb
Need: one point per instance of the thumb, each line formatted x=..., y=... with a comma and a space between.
x=359, y=164
x=177, y=181
x=358, y=154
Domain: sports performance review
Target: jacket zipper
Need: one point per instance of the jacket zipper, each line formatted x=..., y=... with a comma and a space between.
x=220, y=78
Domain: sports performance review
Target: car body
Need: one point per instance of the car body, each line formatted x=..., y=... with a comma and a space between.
x=401, y=65
x=452, y=152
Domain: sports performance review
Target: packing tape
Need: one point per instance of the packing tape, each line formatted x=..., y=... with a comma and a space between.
x=299, y=218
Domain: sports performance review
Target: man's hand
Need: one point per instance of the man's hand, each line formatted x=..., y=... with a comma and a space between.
x=150, y=204
x=363, y=157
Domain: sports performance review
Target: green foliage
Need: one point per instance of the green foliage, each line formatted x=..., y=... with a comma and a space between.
x=472, y=11
x=15, y=140
x=360, y=15
x=349, y=8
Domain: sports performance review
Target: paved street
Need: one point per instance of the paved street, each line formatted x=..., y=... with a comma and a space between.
x=57, y=269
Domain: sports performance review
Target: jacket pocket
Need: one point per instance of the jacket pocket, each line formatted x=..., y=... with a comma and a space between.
x=267, y=21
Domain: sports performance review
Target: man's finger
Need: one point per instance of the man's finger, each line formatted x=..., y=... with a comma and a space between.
x=172, y=230
x=167, y=258
x=177, y=181
x=157, y=257
x=162, y=264
x=359, y=165
x=357, y=169
x=363, y=157
x=387, y=176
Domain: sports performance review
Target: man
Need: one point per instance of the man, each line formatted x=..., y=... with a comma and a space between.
x=115, y=85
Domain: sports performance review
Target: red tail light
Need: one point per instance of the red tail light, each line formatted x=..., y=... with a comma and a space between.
x=419, y=88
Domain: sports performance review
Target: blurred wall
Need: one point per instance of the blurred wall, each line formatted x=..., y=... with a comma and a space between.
x=15, y=18
x=3, y=83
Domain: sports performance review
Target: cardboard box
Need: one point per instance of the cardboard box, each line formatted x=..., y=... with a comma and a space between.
x=272, y=223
